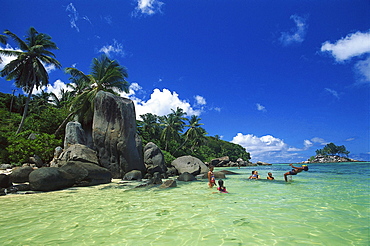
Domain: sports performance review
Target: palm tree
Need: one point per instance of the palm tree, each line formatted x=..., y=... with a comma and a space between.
x=3, y=40
x=195, y=133
x=39, y=101
x=106, y=75
x=149, y=126
x=28, y=69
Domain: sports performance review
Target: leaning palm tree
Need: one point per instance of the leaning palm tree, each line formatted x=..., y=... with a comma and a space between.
x=28, y=69
x=106, y=75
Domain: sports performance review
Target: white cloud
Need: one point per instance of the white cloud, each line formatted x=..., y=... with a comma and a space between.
x=297, y=34
x=350, y=139
x=363, y=69
x=55, y=88
x=113, y=48
x=7, y=59
x=260, y=107
x=269, y=148
x=148, y=7
x=260, y=147
x=159, y=103
x=319, y=140
x=354, y=44
x=73, y=15
x=200, y=100
x=333, y=92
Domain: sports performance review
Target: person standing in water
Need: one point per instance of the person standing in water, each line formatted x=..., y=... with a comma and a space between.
x=295, y=171
x=211, y=177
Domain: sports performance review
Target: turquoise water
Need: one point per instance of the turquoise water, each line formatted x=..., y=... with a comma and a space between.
x=328, y=205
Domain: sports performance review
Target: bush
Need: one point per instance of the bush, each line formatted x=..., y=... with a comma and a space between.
x=168, y=158
x=21, y=147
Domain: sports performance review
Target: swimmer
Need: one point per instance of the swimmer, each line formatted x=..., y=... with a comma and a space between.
x=254, y=175
x=269, y=177
x=221, y=186
x=295, y=171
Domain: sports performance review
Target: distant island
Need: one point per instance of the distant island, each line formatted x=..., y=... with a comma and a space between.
x=331, y=153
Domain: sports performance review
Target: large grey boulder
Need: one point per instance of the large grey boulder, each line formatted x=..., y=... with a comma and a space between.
x=87, y=174
x=74, y=134
x=50, y=179
x=153, y=156
x=21, y=174
x=115, y=136
x=186, y=177
x=78, y=152
x=133, y=175
x=189, y=164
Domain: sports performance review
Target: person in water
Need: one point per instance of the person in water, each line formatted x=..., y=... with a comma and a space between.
x=269, y=177
x=254, y=175
x=295, y=171
x=221, y=186
x=211, y=177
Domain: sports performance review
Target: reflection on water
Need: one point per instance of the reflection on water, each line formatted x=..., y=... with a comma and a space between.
x=328, y=205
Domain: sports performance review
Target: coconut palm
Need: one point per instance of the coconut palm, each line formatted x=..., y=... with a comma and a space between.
x=28, y=69
x=106, y=75
x=149, y=126
x=195, y=133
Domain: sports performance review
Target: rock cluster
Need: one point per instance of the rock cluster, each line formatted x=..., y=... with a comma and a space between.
x=108, y=148
x=225, y=162
x=329, y=159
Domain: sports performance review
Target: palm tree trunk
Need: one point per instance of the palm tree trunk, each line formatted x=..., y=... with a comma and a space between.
x=63, y=123
x=25, y=111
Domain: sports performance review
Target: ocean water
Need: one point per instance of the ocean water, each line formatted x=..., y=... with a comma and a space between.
x=328, y=205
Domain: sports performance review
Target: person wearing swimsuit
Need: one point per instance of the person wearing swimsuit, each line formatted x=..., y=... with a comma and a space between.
x=295, y=171
x=211, y=177
x=221, y=186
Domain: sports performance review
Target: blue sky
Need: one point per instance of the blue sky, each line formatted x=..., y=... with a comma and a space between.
x=280, y=78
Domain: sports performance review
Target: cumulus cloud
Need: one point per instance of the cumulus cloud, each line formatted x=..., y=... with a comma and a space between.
x=297, y=34
x=333, y=92
x=148, y=7
x=160, y=102
x=7, y=59
x=55, y=88
x=269, y=148
x=260, y=107
x=116, y=48
x=260, y=147
x=354, y=44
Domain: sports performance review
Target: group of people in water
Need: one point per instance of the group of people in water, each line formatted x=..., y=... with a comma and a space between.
x=255, y=175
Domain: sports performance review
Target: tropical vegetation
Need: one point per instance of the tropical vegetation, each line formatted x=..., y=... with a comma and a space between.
x=332, y=149
x=34, y=124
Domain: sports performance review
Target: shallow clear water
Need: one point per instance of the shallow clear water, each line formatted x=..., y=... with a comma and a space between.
x=328, y=205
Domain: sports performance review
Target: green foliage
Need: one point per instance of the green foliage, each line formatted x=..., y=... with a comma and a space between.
x=168, y=158
x=166, y=133
x=332, y=149
x=21, y=147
